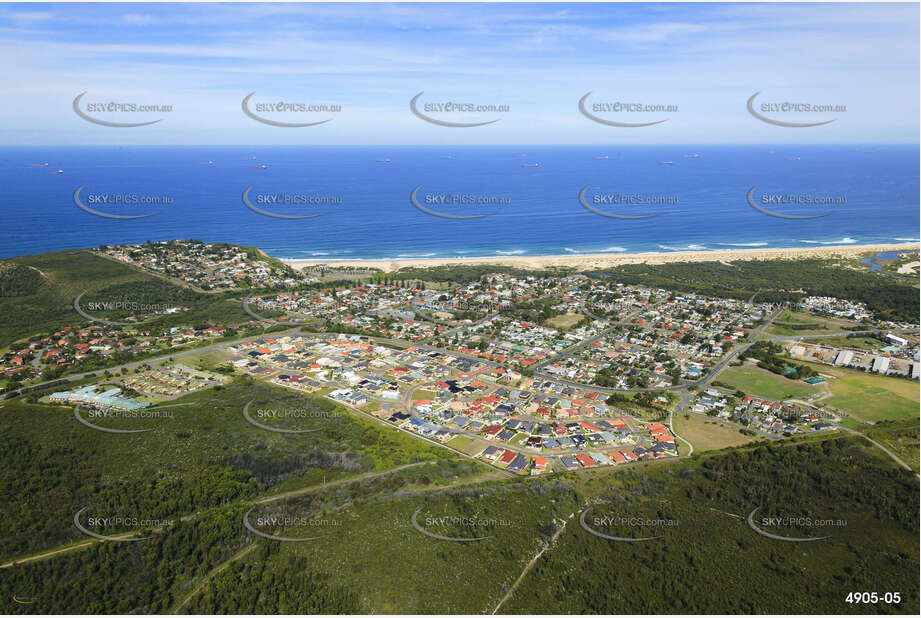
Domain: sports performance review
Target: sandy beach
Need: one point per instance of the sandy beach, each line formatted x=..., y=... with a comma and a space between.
x=592, y=261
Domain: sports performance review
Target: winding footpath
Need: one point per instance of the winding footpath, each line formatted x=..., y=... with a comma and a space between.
x=894, y=457
x=530, y=565
x=207, y=578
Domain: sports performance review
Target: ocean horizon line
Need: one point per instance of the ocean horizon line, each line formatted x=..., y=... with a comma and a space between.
x=645, y=144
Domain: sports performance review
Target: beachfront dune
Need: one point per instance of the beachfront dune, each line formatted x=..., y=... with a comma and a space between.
x=592, y=261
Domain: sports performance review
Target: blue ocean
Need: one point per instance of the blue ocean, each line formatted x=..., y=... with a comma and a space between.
x=530, y=196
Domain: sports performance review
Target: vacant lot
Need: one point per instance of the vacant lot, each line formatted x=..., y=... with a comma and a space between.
x=863, y=343
x=423, y=394
x=565, y=321
x=804, y=323
x=466, y=444
x=707, y=435
x=207, y=359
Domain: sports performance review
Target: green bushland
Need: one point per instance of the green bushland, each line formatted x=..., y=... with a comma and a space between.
x=39, y=292
x=68, y=274
x=205, y=455
x=467, y=273
x=123, y=578
x=258, y=588
x=374, y=561
x=889, y=298
x=18, y=280
x=712, y=562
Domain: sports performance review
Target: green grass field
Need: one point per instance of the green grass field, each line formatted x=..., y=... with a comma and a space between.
x=866, y=396
x=460, y=442
x=206, y=359
x=564, y=322
x=874, y=398
x=869, y=396
x=762, y=383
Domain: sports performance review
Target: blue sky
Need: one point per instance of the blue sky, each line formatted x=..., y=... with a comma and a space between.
x=538, y=59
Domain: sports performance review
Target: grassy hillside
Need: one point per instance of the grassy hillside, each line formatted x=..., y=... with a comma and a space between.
x=37, y=293
x=48, y=301
x=899, y=436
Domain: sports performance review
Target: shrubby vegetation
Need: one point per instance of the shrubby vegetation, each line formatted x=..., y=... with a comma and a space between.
x=778, y=281
x=643, y=403
x=44, y=486
x=18, y=280
x=709, y=562
x=124, y=578
x=769, y=357
x=207, y=455
x=258, y=588
x=712, y=562
x=468, y=273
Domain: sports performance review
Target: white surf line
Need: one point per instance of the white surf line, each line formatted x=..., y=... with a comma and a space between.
x=531, y=563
